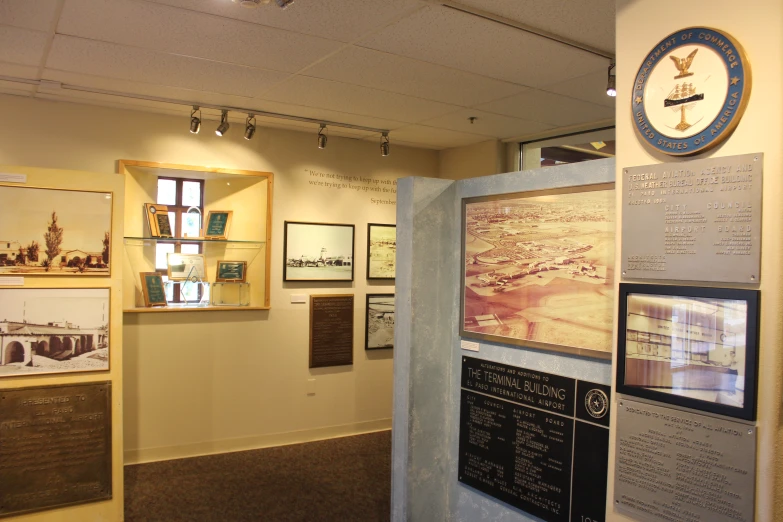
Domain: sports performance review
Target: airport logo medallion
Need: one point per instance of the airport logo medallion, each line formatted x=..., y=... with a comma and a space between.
x=596, y=403
x=690, y=91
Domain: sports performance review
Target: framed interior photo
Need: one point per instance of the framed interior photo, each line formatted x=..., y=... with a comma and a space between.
x=691, y=347
x=381, y=251
x=54, y=330
x=153, y=290
x=231, y=272
x=55, y=232
x=318, y=252
x=158, y=219
x=379, y=324
x=186, y=267
x=218, y=223
x=538, y=269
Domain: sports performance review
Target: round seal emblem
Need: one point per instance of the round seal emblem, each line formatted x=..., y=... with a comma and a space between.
x=596, y=403
x=691, y=90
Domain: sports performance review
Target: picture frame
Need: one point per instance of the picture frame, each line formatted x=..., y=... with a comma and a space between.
x=691, y=347
x=231, y=272
x=381, y=251
x=152, y=289
x=538, y=269
x=318, y=251
x=55, y=232
x=54, y=330
x=379, y=322
x=186, y=267
x=158, y=220
x=217, y=224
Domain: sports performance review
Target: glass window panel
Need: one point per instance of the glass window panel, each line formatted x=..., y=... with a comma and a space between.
x=190, y=291
x=191, y=223
x=189, y=249
x=169, y=289
x=167, y=192
x=161, y=249
x=191, y=194
x=173, y=224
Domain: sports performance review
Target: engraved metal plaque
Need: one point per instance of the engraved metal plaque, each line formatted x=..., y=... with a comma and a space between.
x=694, y=221
x=674, y=465
x=331, y=330
x=55, y=447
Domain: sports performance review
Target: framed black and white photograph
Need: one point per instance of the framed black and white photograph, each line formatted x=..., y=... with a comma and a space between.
x=379, y=324
x=59, y=232
x=318, y=252
x=53, y=330
x=689, y=346
x=381, y=251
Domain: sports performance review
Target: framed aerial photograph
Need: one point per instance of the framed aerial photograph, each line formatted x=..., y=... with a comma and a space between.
x=53, y=330
x=689, y=346
x=538, y=269
x=218, y=223
x=55, y=232
x=186, y=267
x=318, y=252
x=379, y=324
x=231, y=272
x=152, y=289
x=381, y=251
x=158, y=219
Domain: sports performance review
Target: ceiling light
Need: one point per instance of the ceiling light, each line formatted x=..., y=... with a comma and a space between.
x=195, y=121
x=251, y=3
x=322, y=137
x=223, y=127
x=250, y=126
x=284, y=3
x=611, y=87
x=385, y=144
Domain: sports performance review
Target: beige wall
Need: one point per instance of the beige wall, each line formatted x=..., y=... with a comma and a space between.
x=480, y=159
x=758, y=26
x=198, y=382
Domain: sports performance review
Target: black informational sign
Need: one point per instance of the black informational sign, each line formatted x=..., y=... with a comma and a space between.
x=537, y=441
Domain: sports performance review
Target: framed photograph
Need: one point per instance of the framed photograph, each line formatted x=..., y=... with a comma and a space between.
x=379, y=324
x=231, y=272
x=218, y=223
x=318, y=252
x=56, y=232
x=153, y=290
x=158, y=219
x=186, y=267
x=689, y=346
x=54, y=330
x=538, y=269
x=381, y=251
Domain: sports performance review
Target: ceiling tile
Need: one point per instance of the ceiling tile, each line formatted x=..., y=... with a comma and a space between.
x=590, y=87
x=37, y=15
x=486, y=124
x=17, y=89
x=22, y=46
x=455, y=39
x=432, y=137
x=402, y=75
x=341, y=97
x=188, y=33
x=115, y=61
x=29, y=72
x=546, y=107
x=340, y=20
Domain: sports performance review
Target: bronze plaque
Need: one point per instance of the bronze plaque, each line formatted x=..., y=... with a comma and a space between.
x=55, y=447
x=331, y=330
x=693, y=221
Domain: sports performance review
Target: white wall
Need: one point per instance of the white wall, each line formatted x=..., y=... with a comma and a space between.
x=480, y=159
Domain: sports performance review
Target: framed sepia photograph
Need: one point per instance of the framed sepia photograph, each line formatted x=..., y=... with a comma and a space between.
x=689, y=346
x=54, y=330
x=218, y=223
x=381, y=251
x=231, y=272
x=379, y=324
x=538, y=269
x=186, y=267
x=318, y=252
x=152, y=289
x=55, y=232
x=158, y=219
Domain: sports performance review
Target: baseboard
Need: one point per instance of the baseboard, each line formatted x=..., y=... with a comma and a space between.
x=141, y=456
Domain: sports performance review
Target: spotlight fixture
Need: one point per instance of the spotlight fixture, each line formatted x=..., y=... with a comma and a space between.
x=611, y=80
x=322, y=137
x=250, y=126
x=284, y=3
x=195, y=121
x=223, y=127
x=385, y=144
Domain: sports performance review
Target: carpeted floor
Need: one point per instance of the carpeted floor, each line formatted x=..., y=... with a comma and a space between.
x=346, y=479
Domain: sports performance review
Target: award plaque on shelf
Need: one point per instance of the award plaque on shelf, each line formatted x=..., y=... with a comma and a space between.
x=152, y=288
x=186, y=267
x=231, y=272
x=218, y=223
x=158, y=218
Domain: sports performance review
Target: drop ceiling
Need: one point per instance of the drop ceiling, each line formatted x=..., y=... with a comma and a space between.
x=417, y=68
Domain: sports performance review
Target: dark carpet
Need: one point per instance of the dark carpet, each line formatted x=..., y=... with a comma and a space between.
x=343, y=479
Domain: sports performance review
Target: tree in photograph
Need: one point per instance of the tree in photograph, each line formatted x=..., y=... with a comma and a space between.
x=106, y=246
x=20, y=256
x=53, y=238
x=32, y=251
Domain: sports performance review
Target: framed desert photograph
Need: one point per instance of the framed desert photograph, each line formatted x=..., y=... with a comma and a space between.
x=538, y=269
x=318, y=252
x=152, y=289
x=55, y=232
x=231, y=272
x=218, y=223
x=381, y=251
x=186, y=267
x=379, y=323
x=53, y=330
x=688, y=346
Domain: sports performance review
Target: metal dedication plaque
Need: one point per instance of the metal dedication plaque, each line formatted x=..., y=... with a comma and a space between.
x=331, y=330
x=673, y=465
x=693, y=221
x=55, y=446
